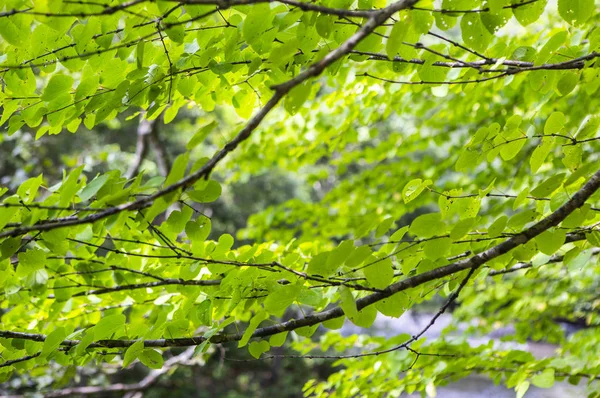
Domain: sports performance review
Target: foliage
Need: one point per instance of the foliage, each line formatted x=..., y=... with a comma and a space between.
x=452, y=151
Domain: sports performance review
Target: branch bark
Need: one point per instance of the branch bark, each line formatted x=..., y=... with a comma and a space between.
x=376, y=19
x=472, y=263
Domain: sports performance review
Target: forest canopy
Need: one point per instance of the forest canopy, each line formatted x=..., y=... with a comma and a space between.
x=447, y=154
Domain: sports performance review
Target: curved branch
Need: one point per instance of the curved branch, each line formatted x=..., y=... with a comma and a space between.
x=281, y=90
x=472, y=263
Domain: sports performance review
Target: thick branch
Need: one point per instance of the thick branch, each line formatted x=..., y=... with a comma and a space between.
x=280, y=91
x=576, y=201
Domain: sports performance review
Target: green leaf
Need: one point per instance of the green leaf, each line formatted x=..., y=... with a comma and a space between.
x=497, y=17
x=551, y=46
x=394, y=305
x=529, y=13
x=365, y=317
x=256, y=23
x=549, y=242
x=554, y=123
x=151, y=358
x=347, y=302
x=257, y=348
x=133, y=352
x=254, y=322
x=277, y=340
x=428, y=225
x=58, y=85
x=178, y=170
x=279, y=300
x=395, y=39
x=204, y=312
x=414, y=188
x=580, y=261
x=576, y=12
x=53, y=341
x=69, y=186
x=385, y=225
x=522, y=388
x=567, y=83
x=201, y=135
x=109, y=326
x=380, y=273
x=474, y=33
x=548, y=186
x=462, y=228
x=91, y=189
x=334, y=324
x=205, y=191
x=544, y=379
x=437, y=248
x=540, y=153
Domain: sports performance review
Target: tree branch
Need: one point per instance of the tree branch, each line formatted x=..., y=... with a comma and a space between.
x=281, y=90
x=472, y=263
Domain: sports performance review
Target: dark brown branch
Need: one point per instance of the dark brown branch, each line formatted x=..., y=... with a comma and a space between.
x=281, y=90
x=472, y=263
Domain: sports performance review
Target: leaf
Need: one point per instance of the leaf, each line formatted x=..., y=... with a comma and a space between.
x=549, y=242
x=497, y=17
x=413, y=189
x=365, y=317
x=53, y=341
x=394, y=305
x=201, y=135
x=279, y=300
x=205, y=191
x=256, y=23
x=58, y=84
x=334, y=324
x=474, y=33
x=277, y=340
x=151, y=358
x=548, y=186
x=544, y=379
x=437, y=248
x=572, y=158
x=177, y=170
x=427, y=225
x=567, y=83
x=529, y=13
x=580, y=261
x=257, y=348
x=554, y=123
x=395, y=39
x=576, y=12
x=462, y=228
x=133, y=352
x=93, y=187
x=522, y=388
x=347, y=302
x=254, y=322
x=204, y=312
x=540, y=153
x=380, y=273
x=69, y=186
x=551, y=46
x=108, y=326
x=385, y=225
